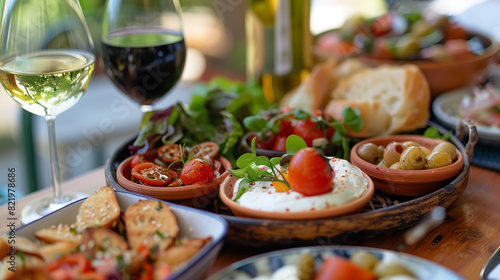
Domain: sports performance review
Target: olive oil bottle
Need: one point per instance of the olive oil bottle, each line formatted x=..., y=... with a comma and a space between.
x=278, y=45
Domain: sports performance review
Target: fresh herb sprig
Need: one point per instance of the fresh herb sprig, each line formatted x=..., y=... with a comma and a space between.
x=268, y=122
x=249, y=166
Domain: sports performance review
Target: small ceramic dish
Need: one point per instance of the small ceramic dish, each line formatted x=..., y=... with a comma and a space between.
x=354, y=206
x=264, y=265
x=407, y=182
x=442, y=76
x=195, y=195
x=245, y=147
x=193, y=223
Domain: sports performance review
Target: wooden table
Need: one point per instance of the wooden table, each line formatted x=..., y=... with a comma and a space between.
x=470, y=234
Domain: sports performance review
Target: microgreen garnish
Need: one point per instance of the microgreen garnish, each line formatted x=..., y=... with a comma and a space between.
x=251, y=166
x=160, y=234
x=433, y=132
x=160, y=206
x=73, y=230
x=269, y=122
x=22, y=256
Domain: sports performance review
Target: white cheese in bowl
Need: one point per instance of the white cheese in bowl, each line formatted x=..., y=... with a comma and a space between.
x=349, y=183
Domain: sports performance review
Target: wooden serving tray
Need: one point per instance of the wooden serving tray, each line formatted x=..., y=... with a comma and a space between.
x=381, y=215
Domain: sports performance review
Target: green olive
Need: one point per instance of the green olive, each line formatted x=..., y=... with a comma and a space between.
x=396, y=165
x=426, y=151
x=392, y=152
x=305, y=266
x=437, y=159
x=364, y=259
x=406, y=47
x=386, y=269
x=421, y=28
x=408, y=144
x=448, y=148
x=382, y=164
x=371, y=153
x=412, y=158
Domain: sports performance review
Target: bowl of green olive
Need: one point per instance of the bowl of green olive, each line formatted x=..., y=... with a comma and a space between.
x=408, y=165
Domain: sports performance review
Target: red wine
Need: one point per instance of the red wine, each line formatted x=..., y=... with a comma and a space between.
x=144, y=64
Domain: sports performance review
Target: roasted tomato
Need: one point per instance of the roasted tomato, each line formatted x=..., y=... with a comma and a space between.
x=280, y=143
x=310, y=173
x=152, y=174
x=205, y=149
x=197, y=171
x=137, y=159
x=338, y=268
x=171, y=153
x=263, y=144
x=74, y=266
x=309, y=131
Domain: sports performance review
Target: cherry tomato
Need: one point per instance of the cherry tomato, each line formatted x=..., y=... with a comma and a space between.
x=137, y=159
x=197, y=171
x=146, y=272
x=308, y=131
x=338, y=268
x=152, y=174
x=280, y=143
x=171, y=153
x=310, y=173
x=73, y=266
x=285, y=128
x=205, y=149
x=266, y=144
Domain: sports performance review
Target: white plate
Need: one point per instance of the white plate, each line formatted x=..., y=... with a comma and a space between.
x=193, y=223
x=445, y=108
x=266, y=264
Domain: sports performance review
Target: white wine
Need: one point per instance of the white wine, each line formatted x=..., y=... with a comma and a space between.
x=278, y=45
x=48, y=82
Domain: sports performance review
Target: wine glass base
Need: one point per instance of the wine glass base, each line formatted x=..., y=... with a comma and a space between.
x=40, y=207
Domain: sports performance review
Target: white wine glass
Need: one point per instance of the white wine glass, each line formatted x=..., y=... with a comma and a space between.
x=46, y=62
x=143, y=48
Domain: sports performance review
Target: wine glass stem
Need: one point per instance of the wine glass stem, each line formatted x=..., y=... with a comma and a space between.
x=56, y=176
x=146, y=109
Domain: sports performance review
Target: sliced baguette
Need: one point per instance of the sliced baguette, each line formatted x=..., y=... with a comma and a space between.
x=152, y=224
x=54, y=251
x=101, y=209
x=176, y=256
x=103, y=242
x=314, y=92
x=59, y=233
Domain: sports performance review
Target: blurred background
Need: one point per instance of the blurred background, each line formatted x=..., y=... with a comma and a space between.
x=103, y=119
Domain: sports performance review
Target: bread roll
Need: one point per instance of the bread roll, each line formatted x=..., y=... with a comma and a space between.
x=314, y=92
x=402, y=92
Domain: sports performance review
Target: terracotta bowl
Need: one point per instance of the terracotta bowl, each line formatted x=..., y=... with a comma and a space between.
x=407, y=182
x=245, y=147
x=355, y=206
x=442, y=76
x=195, y=195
